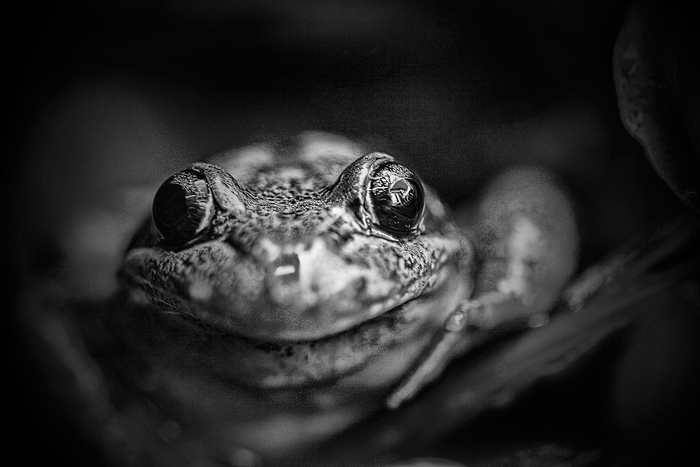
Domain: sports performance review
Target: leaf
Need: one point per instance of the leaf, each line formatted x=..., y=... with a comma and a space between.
x=656, y=70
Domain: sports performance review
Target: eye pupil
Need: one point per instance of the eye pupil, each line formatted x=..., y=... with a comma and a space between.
x=397, y=199
x=171, y=203
x=400, y=193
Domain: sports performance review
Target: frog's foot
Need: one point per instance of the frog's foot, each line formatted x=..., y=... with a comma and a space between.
x=527, y=242
x=468, y=326
x=435, y=358
x=517, y=303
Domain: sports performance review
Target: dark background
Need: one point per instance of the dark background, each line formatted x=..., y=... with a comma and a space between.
x=108, y=98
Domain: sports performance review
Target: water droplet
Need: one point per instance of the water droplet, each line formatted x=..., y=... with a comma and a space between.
x=456, y=321
x=538, y=320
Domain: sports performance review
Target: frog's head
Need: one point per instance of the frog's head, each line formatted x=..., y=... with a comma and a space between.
x=336, y=258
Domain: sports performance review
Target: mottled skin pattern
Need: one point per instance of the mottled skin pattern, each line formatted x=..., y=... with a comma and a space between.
x=290, y=310
x=354, y=291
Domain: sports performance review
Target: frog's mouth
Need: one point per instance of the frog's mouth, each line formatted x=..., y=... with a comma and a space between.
x=302, y=362
x=402, y=330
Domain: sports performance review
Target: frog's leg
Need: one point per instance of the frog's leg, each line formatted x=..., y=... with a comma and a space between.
x=527, y=244
x=527, y=247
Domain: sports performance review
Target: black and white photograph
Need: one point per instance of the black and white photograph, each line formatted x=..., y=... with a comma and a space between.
x=453, y=233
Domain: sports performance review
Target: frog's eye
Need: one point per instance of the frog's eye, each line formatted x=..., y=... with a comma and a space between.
x=396, y=199
x=183, y=207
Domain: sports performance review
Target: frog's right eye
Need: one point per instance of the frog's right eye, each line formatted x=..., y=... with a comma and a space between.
x=183, y=207
x=396, y=199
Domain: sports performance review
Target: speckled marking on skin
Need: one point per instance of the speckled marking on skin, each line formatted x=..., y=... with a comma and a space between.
x=303, y=201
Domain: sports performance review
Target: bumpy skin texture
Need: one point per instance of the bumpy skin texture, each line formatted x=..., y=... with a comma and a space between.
x=294, y=270
x=290, y=311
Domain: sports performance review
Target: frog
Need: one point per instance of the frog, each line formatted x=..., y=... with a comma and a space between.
x=280, y=292
x=283, y=291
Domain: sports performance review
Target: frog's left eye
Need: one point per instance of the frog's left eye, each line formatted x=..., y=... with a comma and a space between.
x=396, y=199
x=183, y=207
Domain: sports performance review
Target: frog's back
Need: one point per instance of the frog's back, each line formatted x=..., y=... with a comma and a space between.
x=303, y=163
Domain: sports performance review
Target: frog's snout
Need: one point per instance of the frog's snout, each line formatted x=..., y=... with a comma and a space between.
x=312, y=274
x=282, y=279
x=282, y=264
